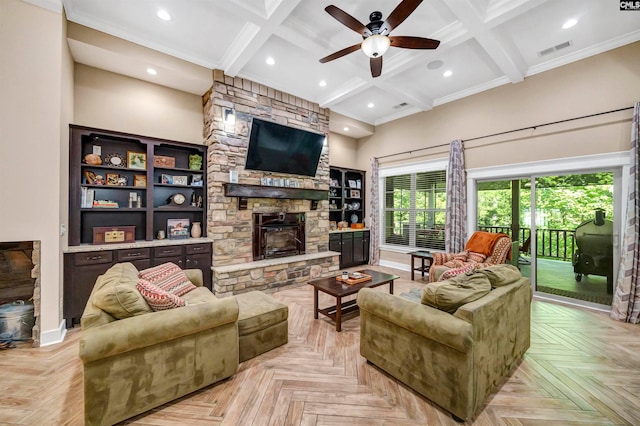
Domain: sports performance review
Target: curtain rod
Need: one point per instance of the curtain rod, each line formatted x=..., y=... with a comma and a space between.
x=509, y=131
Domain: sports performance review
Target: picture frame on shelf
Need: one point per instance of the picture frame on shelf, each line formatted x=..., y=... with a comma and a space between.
x=115, y=159
x=178, y=229
x=164, y=161
x=333, y=225
x=354, y=193
x=166, y=179
x=136, y=160
x=180, y=180
x=113, y=179
x=196, y=180
x=140, y=181
x=352, y=183
x=90, y=177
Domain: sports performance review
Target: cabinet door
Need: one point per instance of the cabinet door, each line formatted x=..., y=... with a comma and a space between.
x=202, y=262
x=365, y=247
x=358, y=248
x=346, y=259
x=335, y=242
x=80, y=275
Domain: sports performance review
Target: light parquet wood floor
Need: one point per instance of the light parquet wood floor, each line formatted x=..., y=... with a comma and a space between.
x=582, y=368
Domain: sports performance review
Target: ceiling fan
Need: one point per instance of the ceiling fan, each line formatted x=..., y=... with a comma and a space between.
x=376, y=34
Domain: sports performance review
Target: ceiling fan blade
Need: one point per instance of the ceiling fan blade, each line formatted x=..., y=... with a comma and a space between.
x=399, y=14
x=347, y=20
x=340, y=53
x=409, y=42
x=376, y=66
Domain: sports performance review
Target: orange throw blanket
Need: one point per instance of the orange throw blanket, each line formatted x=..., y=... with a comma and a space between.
x=484, y=242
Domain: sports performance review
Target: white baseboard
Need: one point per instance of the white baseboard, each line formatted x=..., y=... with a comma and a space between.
x=395, y=265
x=52, y=337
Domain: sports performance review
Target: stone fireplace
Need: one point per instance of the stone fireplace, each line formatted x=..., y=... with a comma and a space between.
x=20, y=277
x=238, y=264
x=278, y=235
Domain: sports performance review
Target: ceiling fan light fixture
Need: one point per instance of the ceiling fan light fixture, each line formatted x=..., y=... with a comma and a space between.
x=376, y=45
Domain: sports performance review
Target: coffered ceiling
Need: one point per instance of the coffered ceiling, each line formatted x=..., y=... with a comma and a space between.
x=484, y=44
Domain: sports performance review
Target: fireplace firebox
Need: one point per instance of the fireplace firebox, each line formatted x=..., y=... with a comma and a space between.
x=278, y=235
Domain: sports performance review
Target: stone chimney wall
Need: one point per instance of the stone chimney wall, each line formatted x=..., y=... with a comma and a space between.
x=229, y=227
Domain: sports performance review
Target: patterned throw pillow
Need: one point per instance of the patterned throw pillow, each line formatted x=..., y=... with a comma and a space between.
x=476, y=257
x=457, y=271
x=168, y=277
x=157, y=298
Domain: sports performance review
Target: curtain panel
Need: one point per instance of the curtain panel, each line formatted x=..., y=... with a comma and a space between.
x=456, y=219
x=626, y=299
x=374, y=216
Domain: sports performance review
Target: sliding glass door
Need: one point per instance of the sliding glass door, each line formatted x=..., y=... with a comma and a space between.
x=564, y=228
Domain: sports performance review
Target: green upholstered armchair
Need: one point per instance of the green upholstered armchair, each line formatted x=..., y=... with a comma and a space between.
x=137, y=363
x=455, y=360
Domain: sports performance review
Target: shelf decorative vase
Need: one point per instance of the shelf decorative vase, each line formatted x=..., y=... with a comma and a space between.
x=196, y=230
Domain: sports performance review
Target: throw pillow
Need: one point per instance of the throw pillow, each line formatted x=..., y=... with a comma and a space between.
x=449, y=295
x=118, y=295
x=476, y=257
x=450, y=273
x=157, y=298
x=168, y=277
x=501, y=275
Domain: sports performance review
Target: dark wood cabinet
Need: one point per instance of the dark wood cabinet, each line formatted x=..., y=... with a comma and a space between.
x=81, y=269
x=346, y=195
x=352, y=245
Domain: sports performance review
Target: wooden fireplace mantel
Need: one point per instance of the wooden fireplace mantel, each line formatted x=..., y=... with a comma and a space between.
x=244, y=192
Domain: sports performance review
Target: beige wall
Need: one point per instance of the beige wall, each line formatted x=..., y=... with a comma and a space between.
x=114, y=102
x=343, y=151
x=34, y=84
x=605, y=82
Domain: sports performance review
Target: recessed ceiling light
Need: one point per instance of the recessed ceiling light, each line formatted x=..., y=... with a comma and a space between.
x=570, y=23
x=447, y=73
x=164, y=15
x=346, y=129
x=322, y=83
x=151, y=71
x=370, y=105
x=270, y=61
x=434, y=65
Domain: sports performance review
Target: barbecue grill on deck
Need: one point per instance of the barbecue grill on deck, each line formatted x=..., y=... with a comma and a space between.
x=594, y=255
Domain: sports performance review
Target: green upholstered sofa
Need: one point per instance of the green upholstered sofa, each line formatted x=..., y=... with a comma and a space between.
x=455, y=360
x=137, y=363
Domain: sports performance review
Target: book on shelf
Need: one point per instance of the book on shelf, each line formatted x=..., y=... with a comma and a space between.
x=105, y=204
x=86, y=201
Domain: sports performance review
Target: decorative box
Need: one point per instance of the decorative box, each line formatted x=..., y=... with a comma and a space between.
x=163, y=161
x=114, y=234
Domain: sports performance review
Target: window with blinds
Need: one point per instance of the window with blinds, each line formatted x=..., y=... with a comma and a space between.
x=414, y=209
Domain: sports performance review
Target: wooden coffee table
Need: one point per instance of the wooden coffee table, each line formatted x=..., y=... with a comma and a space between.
x=338, y=289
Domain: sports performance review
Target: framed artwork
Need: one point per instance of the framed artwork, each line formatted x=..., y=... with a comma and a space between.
x=180, y=180
x=196, y=180
x=178, y=229
x=354, y=193
x=90, y=177
x=352, y=183
x=140, y=180
x=164, y=161
x=136, y=160
x=166, y=179
x=333, y=225
x=113, y=179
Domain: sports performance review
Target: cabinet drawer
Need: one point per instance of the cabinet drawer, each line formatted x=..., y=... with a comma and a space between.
x=133, y=254
x=167, y=251
x=197, y=248
x=93, y=258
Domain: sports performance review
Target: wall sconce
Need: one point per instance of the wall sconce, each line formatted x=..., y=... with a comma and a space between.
x=229, y=120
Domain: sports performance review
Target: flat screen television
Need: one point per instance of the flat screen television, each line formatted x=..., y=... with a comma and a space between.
x=282, y=149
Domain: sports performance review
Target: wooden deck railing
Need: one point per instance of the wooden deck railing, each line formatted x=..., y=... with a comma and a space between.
x=551, y=243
